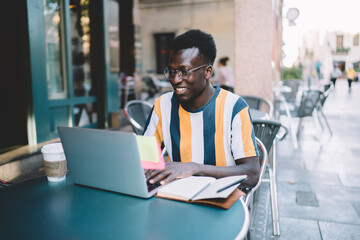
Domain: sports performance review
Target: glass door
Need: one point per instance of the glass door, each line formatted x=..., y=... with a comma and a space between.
x=74, y=49
x=70, y=83
x=85, y=112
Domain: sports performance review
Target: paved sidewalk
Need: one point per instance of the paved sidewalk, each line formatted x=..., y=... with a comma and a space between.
x=319, y=184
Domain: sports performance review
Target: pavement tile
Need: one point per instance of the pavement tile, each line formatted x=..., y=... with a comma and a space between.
x=304, y=176
x=296, y=165
x=355, y=151
x=339, y=212
x=328, y=210
x=350, y=179
x=341, y=165
x=306, y=199
x=299, y=229
x=357, y=207
x=334, y=194
x=287, y=191
x=330, y=231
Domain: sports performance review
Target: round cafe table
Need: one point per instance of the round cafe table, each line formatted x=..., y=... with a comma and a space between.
x=38, y=209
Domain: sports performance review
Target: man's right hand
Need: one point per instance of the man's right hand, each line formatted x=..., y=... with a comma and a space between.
x=173, y=170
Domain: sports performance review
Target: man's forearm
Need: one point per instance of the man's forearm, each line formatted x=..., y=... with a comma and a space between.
x=248, y=166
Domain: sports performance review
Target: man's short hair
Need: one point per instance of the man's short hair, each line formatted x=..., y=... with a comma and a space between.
x=198, y=39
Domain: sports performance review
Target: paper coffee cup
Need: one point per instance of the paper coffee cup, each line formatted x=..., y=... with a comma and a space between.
x=54, y=162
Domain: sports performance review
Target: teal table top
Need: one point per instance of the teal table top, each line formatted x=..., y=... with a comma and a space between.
x=38, y=209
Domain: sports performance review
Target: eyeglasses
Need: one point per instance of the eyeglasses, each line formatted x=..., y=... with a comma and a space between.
x=170, y=73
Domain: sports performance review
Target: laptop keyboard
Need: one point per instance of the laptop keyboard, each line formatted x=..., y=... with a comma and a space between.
x=152, y=186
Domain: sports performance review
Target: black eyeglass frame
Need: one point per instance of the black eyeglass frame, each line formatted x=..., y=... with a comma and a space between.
x=183, y=74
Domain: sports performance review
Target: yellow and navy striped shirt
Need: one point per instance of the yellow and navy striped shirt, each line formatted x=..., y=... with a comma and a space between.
x=217, y=133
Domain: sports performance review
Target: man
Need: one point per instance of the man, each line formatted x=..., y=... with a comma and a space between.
x=225, y=74
x=206, y=130
x=335, y=74
x=350, y=74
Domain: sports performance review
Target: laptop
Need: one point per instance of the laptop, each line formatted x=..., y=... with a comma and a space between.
x=105, y=159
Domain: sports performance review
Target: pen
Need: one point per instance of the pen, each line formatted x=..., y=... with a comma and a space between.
x=164, y=152
x=230, y=185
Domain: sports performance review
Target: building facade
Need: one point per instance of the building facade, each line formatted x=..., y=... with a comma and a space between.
x=60, y=65
x=333, y=48
x=247, y=31
x=60, y=60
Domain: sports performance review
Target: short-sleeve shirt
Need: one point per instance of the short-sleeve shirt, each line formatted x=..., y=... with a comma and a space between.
x=217, y=133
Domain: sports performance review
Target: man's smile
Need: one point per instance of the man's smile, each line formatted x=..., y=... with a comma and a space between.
x=180, y=90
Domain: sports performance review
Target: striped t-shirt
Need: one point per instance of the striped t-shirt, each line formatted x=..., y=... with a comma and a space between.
x=217, y=133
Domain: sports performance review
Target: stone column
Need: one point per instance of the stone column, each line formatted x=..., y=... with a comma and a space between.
x=254, y=30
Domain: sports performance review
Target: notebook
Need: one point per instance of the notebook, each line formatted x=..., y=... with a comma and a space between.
x=105, y=159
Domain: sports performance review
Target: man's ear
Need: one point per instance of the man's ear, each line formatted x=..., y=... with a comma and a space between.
x=209, y=72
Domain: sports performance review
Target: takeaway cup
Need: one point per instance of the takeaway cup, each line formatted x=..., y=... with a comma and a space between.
x=54, y=162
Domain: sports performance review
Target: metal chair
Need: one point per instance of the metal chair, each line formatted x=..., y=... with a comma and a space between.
x=154, y=87
x=249, y=198
x=137, y=112
x=305, y=108
x=267, y=131
x=286, y=93
x=327, y=89
x=309, y=100
x=294, y=85
x=259, y=103
x=263, y=160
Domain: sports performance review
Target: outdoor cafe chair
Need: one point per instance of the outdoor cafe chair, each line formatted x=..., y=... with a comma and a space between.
x=327, y=89
x=286, y=92
x=249, y=198
x=259, y=103
x=263, y=159
x=137, y=112
x=268, y=131
x=294, y=86
x=309, y=101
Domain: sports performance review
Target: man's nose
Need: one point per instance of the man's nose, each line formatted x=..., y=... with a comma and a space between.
x=177, y=78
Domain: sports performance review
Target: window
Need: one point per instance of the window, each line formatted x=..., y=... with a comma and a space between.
x=56, y=83
x=163, y=44
x=113, y=35
x=356, y=40
x=339, y=42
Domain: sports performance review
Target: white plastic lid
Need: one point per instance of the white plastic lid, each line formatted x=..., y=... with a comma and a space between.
x=52, y=148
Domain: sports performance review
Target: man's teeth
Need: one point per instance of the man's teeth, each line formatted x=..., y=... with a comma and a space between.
x=181, y=89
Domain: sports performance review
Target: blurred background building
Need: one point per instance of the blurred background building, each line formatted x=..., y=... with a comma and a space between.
x=333, y=48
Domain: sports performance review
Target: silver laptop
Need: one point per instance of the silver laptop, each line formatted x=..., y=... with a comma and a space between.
x=105, y=159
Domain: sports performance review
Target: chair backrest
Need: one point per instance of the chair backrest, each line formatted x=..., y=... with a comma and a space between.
x=267, y=131
x=263, y=158
x=258, y=103
x=137, y=112
x=325, y=92
x=294, y=85
x=309, y=100
x=150, y=86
